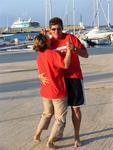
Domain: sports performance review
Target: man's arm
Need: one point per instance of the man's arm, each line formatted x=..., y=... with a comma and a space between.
x=79, y=47
x=82, y=52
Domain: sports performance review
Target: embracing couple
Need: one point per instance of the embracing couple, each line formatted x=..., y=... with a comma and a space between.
x=61, y=80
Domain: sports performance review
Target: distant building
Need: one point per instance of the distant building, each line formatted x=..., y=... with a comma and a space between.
x=20, y=23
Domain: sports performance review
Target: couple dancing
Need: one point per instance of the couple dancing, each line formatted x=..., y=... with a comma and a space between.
x=60, y=72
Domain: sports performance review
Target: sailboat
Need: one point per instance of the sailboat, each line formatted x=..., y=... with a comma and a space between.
x=96, y=34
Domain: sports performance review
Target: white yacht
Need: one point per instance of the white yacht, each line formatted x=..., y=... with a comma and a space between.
x=97, y=33
x=21, y=23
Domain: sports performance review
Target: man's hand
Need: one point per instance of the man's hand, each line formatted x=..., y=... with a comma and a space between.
x=43, y=78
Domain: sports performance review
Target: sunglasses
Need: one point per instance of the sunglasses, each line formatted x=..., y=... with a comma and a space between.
x=58, y=29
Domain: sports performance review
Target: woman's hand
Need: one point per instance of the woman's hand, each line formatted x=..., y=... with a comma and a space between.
x=70, y=46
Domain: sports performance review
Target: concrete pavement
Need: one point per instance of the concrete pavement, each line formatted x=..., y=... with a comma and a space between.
x=20, y=106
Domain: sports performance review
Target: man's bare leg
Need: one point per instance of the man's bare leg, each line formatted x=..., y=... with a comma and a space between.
x=76, y=119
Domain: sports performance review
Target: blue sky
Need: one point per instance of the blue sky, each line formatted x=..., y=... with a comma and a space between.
x=10, y=10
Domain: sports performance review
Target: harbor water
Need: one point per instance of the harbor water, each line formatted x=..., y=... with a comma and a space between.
x=21, y=36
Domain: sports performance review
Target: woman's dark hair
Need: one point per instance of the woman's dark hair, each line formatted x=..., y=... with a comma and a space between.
x=55, y=21
x=40, y=43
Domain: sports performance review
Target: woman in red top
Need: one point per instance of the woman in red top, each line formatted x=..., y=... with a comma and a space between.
x=53, y=92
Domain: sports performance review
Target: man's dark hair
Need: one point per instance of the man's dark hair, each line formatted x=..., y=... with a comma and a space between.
x=55, y=21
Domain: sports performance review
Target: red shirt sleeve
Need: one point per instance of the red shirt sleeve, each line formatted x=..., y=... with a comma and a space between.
x=76, y=42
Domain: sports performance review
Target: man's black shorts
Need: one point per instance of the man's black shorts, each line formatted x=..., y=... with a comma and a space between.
x=75, y=91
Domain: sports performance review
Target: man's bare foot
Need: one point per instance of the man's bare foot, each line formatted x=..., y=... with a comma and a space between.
x=77, y=143
x=37, y=138
x=50, y=145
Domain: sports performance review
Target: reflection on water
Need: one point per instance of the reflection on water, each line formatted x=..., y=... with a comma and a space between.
x=21, y=36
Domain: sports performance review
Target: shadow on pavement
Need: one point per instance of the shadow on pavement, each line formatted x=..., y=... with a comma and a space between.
x=20, y=118
x=96, y=138
x=97, y=77
x=19, y=85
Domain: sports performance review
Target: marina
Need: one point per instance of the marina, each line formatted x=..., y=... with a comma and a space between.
x=20, y=101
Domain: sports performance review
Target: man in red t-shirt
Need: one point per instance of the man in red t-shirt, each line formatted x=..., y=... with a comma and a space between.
x=73, y=75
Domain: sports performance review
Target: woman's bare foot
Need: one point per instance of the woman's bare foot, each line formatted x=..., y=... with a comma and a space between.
x=77, y=143
x=37, y=138
x=50, y=145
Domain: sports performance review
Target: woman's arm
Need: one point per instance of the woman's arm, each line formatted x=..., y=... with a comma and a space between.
x=68, y=55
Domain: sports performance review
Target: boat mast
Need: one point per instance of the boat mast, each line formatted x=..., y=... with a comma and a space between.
x=97, y=6
x=74, y=17
x=94, y=13
x=48, y=12
x=65, y=18
x=106, y=18
x=108, y=1
x=50, y=9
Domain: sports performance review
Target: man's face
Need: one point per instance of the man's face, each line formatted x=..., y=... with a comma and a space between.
x=56, y=31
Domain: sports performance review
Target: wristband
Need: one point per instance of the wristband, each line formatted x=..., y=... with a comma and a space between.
x=75, y=48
